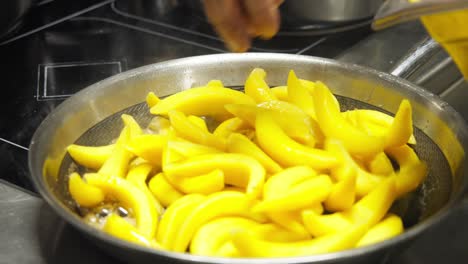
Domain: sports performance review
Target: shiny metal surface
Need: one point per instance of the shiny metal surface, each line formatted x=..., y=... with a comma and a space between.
x=330, y=10
x=416, y=58
x=86, y=108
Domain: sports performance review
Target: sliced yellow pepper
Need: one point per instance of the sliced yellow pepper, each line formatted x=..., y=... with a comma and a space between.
x=402, y=126
x=148, y=147
x=335, y=126
x=290, y=220
x=192, y=132
x=374, y=122
x=174, y=217
x=281, y=93
x=160, y=125
x=299, y=95
x=84, y=194
x=90, y=157
x=239, y=170
x=302, y=195
x=278, y=184
x=132, y=124
x=257, y=88
x=119, y=227
x=365, y=181
x=198, y=121
x=152, y=99
x=229, y=126
x=209, y=238
x=289, y=117
x=380, y=165
x=215, y=205
x=251, y=246
x=202, y=101
x=203, y=184
x=319, y=225
x=284, y=150
x=117, y=163
x=138, y=175
x=238, y=143
x=389, y=227
x=342, y=194
x=131, y=197
x=163, y=190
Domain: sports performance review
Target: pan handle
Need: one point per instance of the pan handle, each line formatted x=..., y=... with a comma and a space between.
x=420, y=54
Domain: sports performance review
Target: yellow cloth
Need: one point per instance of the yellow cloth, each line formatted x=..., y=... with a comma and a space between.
x=450, y=29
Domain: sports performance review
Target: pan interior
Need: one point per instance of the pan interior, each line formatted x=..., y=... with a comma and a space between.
x=413, y=208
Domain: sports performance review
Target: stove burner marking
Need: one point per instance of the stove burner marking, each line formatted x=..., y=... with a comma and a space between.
x=14, y=144
x=43, y=91
x=151, y=32
x=58, y=21
x=314, y=44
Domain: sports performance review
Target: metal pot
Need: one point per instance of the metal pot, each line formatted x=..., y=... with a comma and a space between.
x=330, y=10
x=442, y=136
x=11, y=14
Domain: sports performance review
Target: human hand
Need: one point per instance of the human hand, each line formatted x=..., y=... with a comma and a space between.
x=238, y=21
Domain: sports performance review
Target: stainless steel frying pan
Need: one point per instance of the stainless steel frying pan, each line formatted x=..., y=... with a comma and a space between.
x=92, y=117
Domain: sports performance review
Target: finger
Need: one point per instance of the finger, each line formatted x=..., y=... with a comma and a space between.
x=230, y=22
x=263, y=17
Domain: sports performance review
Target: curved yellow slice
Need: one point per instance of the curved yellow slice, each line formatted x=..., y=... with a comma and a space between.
x=389, y=227
x=203, y=184
x=290, y=220
x=84, y=194
x=198, y=121
x=374, y=122
x=302, y=195
x=334, y=125
x=299, y=95
x=163, y=190
x=192, y=132
x=152, y=99
x=117, y=163
x=215, y=205
x=210, y=237
x=257, y=88
x=138, y=175
x=90, y=157
x=342, y=194
x=160, y=125
x=202, y=101
x=295, y=122
x=148, y=147
x=380, y=164
x=230, y=126
x=278, y=184
x=238, y=143
x=289, y=117
x=319, y=225
x=412, y=170
x=365, y=181
x=284, y=150
x=402, y=126
x=239, y=170
x=281, y=93
x=174, y=217
x=132, y=125
x=215, y=84
x=131, y=197
x=251, y=246
x=119, y=227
